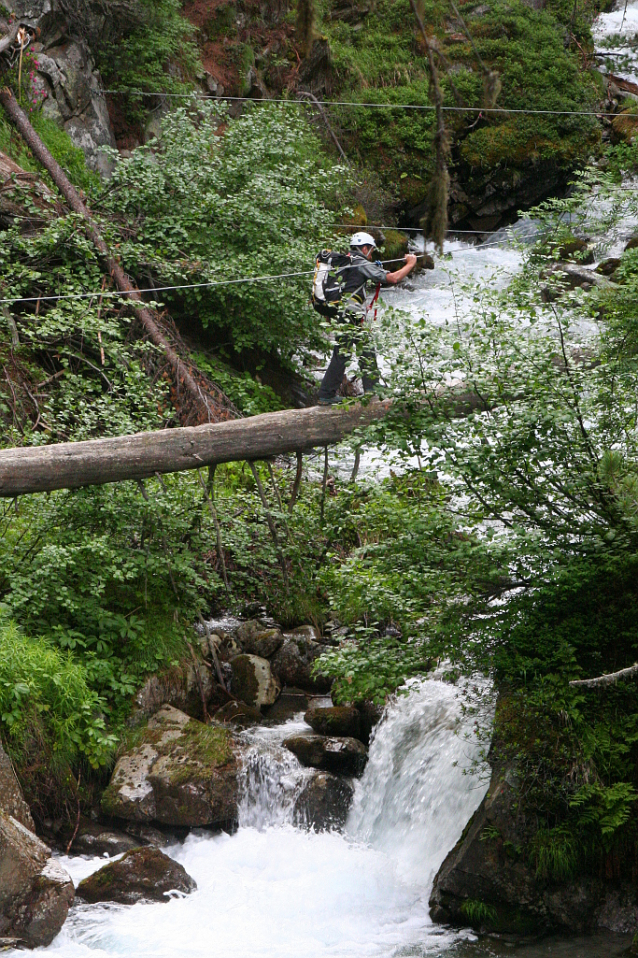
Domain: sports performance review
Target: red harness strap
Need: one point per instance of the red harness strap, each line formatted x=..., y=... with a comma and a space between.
x=373, y=301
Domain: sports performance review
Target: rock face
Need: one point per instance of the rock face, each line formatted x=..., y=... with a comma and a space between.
x=488, y=869
x=182, y=772
x=11, y=799
x=342, y=756
x=179, y=687
x=35, y=892
x=253, y=681
x=324, y=802
x=294, y=660
x=66, y=79
x=143, y=874
x=337, y=720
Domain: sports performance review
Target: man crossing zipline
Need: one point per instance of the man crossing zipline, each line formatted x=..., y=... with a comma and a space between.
x=339, y=293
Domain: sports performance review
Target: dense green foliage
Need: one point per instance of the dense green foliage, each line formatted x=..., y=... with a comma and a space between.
x=149, y=48
x=219, y=201
x=379, y=59
x=53, y=722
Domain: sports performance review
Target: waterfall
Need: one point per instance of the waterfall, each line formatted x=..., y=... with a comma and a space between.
x=422, y=782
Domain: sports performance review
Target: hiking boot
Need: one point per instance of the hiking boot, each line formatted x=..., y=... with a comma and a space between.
x=329, y=400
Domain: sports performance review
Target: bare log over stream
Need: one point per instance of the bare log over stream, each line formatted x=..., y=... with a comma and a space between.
x=68, y=465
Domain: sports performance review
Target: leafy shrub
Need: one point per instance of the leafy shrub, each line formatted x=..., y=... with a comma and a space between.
x=47, y=709
x=218, y=200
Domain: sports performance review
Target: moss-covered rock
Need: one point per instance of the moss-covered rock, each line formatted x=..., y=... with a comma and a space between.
x=142, y=874
x=256, y=640
x=336, y=720
x=253, y=681
x=175, y=771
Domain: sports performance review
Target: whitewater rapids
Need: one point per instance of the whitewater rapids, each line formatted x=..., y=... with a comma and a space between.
x=275, y=891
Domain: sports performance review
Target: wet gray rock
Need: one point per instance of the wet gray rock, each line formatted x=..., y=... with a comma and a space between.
x=294, y=660
x=67, y=79
x=324, y=802
x=307, y=632
x=181, y=773
x=143, y=874
x=148, y=835
x=343, y=756
x=35, y=891
x=336, y=720
x=257, y=640
x=569, y=276
x=253, y=681
x=179, y=687
x=95, y=839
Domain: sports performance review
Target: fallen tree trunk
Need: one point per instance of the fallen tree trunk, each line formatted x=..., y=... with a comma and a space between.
x=68, y=465
x=181, y=372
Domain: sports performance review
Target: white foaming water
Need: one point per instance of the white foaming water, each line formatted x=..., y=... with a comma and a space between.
x=275, y=891
x=271, y=777
x=421, y=784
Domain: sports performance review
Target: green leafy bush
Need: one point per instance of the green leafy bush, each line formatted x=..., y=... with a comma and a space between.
x=219, y=200
x=47, y=709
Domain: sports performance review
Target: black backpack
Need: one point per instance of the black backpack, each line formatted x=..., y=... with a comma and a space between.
x=334, y=276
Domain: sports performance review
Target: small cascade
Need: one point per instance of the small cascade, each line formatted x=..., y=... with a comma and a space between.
x=271, y=780
x=421, y=784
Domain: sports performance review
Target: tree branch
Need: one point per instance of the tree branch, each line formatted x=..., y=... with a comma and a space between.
x=609, y=679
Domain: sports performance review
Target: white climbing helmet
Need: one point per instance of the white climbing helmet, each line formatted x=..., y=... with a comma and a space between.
x=362, y=239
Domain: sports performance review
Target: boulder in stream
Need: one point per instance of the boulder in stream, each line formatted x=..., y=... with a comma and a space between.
x=342, y=756
x=324, y=802
x=95, y=839
x=253, y=681
x=294, y=661
x=489, y=881
x=336, y=720
x=35, y=891
x=178, y=772
x=142, y=874
x=257, y=640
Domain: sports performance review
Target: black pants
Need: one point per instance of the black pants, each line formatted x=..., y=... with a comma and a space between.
x=350, y=334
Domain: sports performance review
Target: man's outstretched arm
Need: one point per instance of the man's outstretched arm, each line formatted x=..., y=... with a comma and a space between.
x=399, y=274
